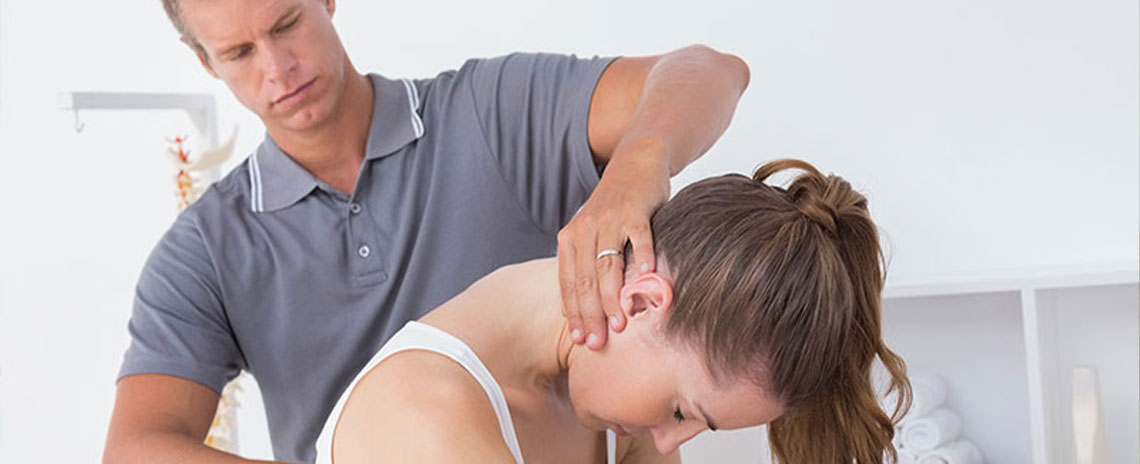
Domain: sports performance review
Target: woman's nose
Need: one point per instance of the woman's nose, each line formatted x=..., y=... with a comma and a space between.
x=667, y=439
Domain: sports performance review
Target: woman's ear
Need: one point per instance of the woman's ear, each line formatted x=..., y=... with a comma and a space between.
x=649, y=293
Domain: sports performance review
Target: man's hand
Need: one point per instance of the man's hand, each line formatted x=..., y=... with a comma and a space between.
x=635, y=183
x=649, y=118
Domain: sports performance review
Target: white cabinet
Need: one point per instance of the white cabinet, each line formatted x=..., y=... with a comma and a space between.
x=1094, y=326
x=1006, y=344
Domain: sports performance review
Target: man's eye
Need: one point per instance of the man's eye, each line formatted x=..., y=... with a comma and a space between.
x=285, y=27
x=677, y=415
x=241, y=53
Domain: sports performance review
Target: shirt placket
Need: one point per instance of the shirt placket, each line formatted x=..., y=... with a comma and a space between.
x=364, y=244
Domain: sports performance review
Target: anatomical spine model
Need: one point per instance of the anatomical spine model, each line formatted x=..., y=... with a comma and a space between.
x=194, y=175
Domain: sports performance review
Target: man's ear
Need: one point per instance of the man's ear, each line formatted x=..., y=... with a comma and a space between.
x=647, y=294
x=201, y=54
x=330, y=6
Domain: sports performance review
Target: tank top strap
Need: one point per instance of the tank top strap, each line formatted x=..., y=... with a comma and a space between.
x=419, y=336
x=611, y=447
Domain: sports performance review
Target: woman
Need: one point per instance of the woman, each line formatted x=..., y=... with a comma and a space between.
x=764, y=309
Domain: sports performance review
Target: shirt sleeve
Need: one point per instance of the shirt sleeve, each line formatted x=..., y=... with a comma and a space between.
x=178, y=325
x=533, y=110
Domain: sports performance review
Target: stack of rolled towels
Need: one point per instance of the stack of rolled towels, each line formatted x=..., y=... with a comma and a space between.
x=930, y=433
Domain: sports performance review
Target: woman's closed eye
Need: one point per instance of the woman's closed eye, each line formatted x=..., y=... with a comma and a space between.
x=678, y=415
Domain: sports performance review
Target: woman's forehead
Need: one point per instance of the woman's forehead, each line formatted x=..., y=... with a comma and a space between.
x=736, y=404
x=732, y=401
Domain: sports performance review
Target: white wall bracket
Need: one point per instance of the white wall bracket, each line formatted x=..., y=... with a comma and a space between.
x=199, y=106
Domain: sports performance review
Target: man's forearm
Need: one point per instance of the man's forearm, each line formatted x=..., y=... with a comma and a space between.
x=688, y=101
x=167, y=448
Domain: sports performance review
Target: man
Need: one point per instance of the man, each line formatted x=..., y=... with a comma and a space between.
x=372, y=200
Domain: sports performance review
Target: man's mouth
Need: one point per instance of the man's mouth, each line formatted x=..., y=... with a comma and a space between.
x=295, y=92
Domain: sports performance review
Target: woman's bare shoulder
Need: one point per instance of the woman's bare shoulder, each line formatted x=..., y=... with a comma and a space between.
x=418, y=406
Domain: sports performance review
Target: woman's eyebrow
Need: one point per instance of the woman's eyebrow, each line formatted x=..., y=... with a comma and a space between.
x=708, y=420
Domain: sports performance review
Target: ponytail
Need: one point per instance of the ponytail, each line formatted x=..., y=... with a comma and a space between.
x=784, y=286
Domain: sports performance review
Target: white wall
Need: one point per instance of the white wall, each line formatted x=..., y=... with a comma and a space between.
x=988, y=135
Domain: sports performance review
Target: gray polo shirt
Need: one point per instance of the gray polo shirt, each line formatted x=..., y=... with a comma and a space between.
x=275, y=272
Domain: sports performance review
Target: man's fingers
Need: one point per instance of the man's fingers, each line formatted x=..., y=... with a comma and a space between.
x=567, y=284
x=641, y=235
x=589, y=302
x=610, y=270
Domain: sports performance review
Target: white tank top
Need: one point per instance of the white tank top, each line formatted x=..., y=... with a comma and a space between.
x=419, y=336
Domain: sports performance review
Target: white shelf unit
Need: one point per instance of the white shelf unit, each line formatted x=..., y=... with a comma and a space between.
x=1006, y=344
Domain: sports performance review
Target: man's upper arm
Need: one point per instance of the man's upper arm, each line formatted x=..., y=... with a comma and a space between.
x=156, y=405
x=532, y=110
x=166, y=403
x=178, y=325
x=614, y=102
x=620, y=91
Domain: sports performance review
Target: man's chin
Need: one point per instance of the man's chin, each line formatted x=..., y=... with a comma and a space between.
x=304, y=120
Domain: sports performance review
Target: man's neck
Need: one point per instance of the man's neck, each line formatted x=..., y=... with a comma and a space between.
x=333, y=151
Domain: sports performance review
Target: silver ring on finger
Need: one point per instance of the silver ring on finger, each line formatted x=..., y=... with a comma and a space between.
x=608, y=252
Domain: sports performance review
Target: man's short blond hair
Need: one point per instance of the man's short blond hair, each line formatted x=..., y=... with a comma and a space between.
x=174, y=12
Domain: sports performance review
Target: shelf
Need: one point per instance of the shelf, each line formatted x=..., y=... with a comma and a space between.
x=974, y=341
x=1013, y=280
x=199, y=106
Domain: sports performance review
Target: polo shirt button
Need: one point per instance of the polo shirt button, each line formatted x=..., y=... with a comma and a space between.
x=364, y=251
x=354, y=208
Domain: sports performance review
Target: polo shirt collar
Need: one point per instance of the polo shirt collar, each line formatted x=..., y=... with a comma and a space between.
x=276, y=181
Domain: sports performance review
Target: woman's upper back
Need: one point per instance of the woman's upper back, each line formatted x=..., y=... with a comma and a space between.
x=426, y=397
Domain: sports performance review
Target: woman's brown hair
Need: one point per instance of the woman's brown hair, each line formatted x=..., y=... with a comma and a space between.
x=783, y=286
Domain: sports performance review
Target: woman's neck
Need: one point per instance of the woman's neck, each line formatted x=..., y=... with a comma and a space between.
x=512, y=319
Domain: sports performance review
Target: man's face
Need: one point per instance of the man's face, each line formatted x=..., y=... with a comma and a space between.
x=282, y=59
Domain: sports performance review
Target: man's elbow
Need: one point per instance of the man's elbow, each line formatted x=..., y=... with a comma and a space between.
x=725, y=64
x=738, y=67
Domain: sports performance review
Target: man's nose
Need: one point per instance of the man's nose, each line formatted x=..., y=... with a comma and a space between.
x=278, y=61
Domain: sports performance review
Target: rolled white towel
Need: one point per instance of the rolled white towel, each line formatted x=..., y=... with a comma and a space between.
x=905, y=457
x=897, y=440
x=941, y=426
x=929, y=394
x=959, y=452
